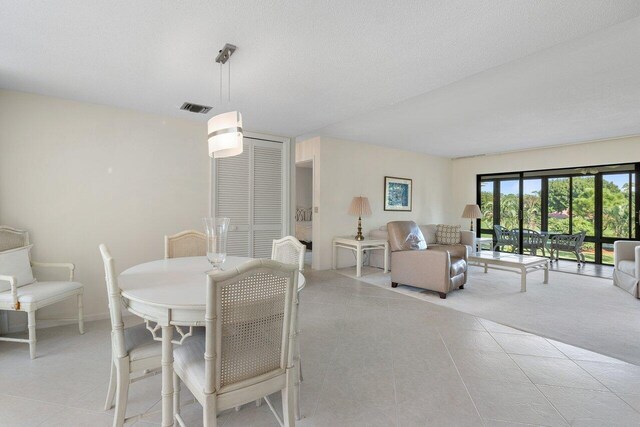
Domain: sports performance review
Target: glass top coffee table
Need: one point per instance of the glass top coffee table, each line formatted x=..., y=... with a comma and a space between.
x=523, y=264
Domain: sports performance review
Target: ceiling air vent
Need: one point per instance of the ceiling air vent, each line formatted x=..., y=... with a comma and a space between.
x=195, y=108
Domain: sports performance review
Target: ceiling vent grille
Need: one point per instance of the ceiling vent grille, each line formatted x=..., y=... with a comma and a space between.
x=195, y=108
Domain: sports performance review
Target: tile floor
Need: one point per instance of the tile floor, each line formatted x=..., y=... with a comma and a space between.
x=370, y=358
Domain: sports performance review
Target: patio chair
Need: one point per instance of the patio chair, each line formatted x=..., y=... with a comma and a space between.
x=569, y=243
x=532, y=241
x=504, y=237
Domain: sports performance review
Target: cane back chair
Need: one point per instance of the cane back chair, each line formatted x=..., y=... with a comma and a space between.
x=247, y=351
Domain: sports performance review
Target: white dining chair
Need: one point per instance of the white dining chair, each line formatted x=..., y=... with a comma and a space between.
x=19, y=289
x=185, y=244
x=247, y=351
x=133, y=349
x=289, y=250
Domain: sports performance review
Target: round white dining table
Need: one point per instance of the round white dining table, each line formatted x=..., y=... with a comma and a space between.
x=171, y=293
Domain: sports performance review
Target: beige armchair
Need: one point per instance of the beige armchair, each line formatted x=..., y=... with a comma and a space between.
x=440, y=269
x=376, y=258
x=626, y=259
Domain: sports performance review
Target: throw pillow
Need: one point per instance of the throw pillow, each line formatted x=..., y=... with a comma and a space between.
x=405, y=236
x=447, y=234
x=16, y=262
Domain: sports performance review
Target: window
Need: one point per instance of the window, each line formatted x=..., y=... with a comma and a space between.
x=599, y=200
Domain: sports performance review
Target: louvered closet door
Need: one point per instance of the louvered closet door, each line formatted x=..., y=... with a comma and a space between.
x=249, y=190
x=267, y=199
x=233, y=199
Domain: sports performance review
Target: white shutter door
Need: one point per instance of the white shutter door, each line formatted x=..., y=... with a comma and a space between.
x=267, y=199
x=249, y=189
x=233, y=195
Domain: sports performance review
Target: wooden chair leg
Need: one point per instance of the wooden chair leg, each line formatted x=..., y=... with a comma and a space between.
x=176, y=394
x=288, y=415
x=122, y=391
x=111, y=391
x=31, y=325
x=209, y=412
x=80, y=315
x=296, y=392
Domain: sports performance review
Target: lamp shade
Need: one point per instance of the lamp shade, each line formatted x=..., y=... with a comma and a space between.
x=472, y=211
x=225, y=135
x=360, y=207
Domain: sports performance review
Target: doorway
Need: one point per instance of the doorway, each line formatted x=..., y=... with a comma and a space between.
x=304, y=208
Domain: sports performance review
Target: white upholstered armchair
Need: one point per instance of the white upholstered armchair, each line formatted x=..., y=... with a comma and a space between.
x=20, y=291
x=626, y=273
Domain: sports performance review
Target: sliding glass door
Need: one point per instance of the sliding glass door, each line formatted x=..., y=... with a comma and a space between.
x=601, y=201
x=618, y=207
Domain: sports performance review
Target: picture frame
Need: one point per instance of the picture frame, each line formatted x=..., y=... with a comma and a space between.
x=398, y=194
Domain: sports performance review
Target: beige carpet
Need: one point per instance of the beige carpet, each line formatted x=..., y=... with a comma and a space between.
x=583, y=311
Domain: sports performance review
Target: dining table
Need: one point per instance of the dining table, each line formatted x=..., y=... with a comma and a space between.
x=170, y=295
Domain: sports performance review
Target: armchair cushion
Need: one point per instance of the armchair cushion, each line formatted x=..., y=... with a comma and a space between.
x=41, y=291
x=16, y=262
x=429, y=232
x=405, y=236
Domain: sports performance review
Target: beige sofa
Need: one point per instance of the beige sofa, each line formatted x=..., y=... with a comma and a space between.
x=439, y=268
x=376, y=258
x=626, y=273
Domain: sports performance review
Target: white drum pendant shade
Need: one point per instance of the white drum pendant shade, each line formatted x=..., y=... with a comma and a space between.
x=225, y=135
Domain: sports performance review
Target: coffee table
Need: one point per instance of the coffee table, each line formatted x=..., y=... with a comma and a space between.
x=523, y=264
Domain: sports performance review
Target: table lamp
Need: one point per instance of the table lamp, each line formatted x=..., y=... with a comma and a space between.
x=472, y=212
x=360, y=207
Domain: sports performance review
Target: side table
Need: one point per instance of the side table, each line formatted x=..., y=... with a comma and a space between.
x=483, y=241
x=359, y=246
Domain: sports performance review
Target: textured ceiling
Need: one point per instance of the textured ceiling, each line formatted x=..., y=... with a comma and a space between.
x=305, y=66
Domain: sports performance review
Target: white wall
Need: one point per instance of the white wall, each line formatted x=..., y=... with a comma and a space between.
x=464, y=172
x=346, y=169
x=76, y=175
x=304, y=187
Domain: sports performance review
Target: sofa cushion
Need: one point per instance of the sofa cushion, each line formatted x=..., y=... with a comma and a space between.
x=405, y=236
x=628, y=267
x=447, y=234
x=16, y=262
x=429, y=232
x=458, y=266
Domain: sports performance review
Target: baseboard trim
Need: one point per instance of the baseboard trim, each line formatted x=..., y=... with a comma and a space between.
x=51, y=323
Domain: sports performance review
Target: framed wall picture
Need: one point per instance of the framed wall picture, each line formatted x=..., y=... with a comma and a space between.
x=397, y=194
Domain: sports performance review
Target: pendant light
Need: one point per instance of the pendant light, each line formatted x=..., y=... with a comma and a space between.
x=225, y=130
x=225, y=135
